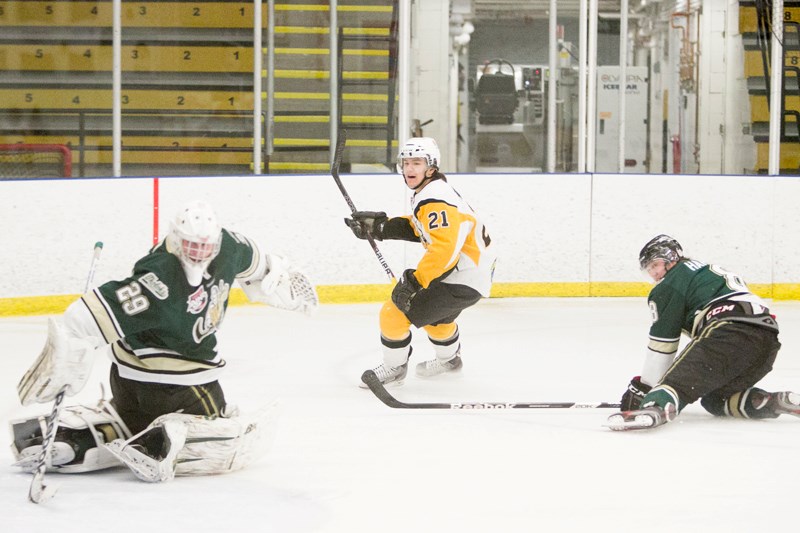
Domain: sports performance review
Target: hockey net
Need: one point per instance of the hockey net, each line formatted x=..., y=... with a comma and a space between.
x=35, y=161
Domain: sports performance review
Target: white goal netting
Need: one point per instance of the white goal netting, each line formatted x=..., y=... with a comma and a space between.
x=35, y=161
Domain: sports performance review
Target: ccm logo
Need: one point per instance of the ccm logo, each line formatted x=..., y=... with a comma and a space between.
x=720, y=309
x=482, y=405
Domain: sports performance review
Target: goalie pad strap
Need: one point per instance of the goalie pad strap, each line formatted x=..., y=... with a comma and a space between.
x=79, y=442
x=197, y=445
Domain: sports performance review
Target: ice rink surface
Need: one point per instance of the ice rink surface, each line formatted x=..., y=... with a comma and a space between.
x=344, y=462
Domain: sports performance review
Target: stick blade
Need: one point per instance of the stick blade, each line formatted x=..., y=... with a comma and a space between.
x=372, y=381
x=41, y=493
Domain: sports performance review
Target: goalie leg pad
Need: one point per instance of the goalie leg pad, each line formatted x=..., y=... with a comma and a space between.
x=226, y=444
x=78, y=445
x=192, y=445
x=151, y=455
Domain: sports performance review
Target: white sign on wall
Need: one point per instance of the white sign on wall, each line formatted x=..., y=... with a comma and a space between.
x=607, y=123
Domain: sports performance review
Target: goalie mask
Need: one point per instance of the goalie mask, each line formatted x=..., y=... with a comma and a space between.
x=660, y=247
x=195, y=237
x=424, y=147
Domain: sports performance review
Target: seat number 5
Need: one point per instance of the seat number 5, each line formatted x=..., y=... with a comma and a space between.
x=131, y=299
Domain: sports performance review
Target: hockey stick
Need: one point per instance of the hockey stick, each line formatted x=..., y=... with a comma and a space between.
x=377, y=388
x=39, y=492
x=337, y=161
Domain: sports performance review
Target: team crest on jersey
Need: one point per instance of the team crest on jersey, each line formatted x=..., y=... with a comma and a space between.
x=197, y=301
x=208, y=324
x=151, y=282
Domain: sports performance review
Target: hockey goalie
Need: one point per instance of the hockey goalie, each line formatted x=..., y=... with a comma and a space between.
x=168, y=415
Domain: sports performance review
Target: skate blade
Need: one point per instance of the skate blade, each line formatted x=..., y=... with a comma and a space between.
x=390, y=385
x=621, y=422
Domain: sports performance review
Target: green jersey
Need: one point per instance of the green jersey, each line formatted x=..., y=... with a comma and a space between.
x=161, y=328
x=692, y=294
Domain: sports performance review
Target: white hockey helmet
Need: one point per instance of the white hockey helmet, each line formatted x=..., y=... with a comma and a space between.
x=419, y=147
x=195, y=236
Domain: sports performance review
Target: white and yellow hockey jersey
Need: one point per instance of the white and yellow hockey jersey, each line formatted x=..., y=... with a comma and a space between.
x=457, y=245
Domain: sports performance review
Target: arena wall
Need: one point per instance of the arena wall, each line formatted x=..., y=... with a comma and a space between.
x=556, y=235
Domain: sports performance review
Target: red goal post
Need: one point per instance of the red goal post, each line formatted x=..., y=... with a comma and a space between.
x=35, y=161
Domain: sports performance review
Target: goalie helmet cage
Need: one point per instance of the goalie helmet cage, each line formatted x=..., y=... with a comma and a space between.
x=35, y=161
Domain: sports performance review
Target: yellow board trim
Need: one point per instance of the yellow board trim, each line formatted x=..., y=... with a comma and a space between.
x=324, y=74
x=321, y=30
x=286, y=95
x=347, y=119
x=322, y=7
x=348, y=294
x=361, y=143
x=325, y=51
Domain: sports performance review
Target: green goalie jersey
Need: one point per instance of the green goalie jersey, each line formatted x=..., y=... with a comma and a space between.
x=692, y=294
x=163, y=330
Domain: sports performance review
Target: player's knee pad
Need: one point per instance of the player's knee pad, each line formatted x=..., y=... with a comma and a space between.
x=393, y=323
x=750, y=403
x=191, y=445
x=443, y=333
x=714, y=404
x=78, y=445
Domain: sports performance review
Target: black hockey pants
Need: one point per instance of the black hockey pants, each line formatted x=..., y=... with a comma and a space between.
x=726, y=358
x=140, y=403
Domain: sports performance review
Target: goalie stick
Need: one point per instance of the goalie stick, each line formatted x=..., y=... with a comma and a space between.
x=377, y=388
x=337, y=161
x=39, y=492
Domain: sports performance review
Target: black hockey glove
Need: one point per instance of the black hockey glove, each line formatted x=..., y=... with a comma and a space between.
x=366, y=223
x=632, y=399
x=405, y=290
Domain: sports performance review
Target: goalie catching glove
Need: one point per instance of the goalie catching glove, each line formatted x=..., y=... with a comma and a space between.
x=64, y=364
x=367, y=224
x=280, y=285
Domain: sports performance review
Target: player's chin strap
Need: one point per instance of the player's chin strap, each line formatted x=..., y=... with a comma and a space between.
x=192, y=445
x=435, y=176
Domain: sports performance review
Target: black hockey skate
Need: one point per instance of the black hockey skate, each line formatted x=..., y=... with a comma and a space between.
x=387, y=375
x=785, y=403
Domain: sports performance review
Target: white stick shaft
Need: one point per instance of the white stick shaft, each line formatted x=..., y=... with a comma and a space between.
x=39, y=492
